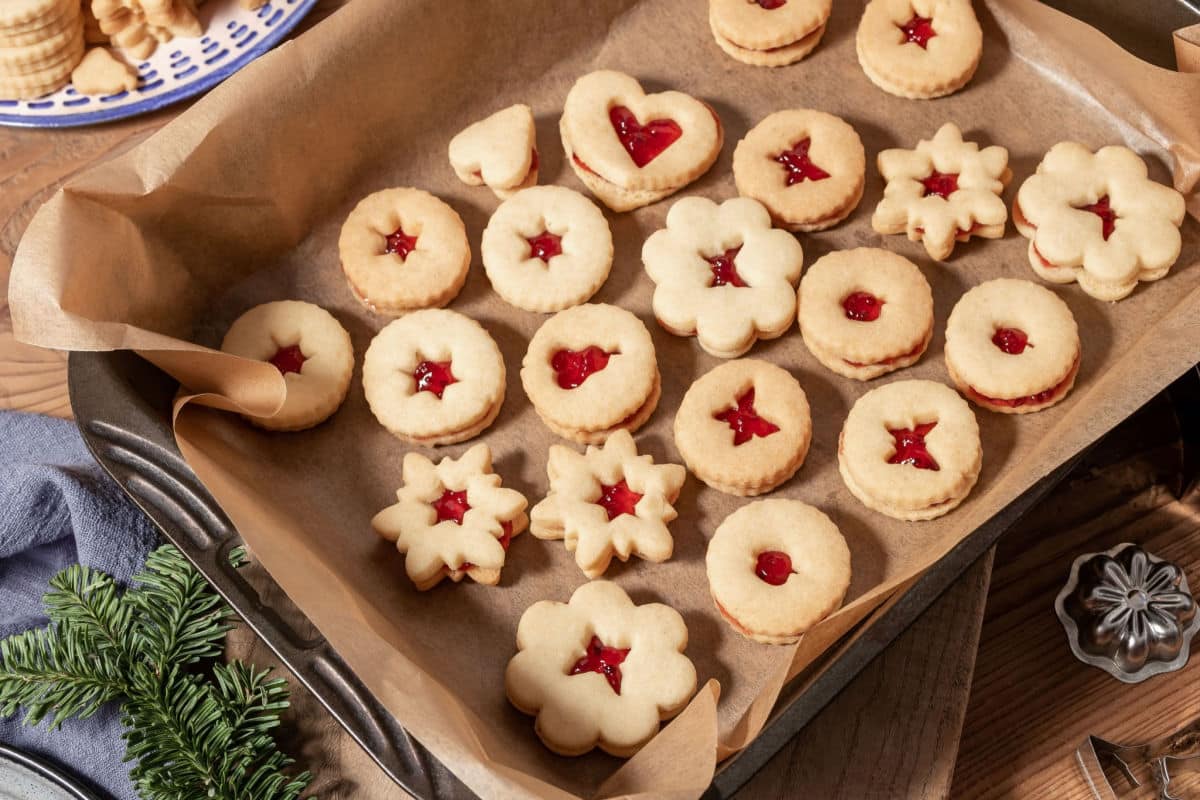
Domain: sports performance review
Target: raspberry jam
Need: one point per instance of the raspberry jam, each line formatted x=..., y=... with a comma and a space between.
x=1108, y=217
x=618, y=499
x=604, y=660
x=545, y=246
x=288, y=359
x=1011, y=340
x=400, y=243
x=433, y=376
x=573, y=367
x=771, y=5
x=644, y=143
x=451, y=506
x=798, y=165
x=910, y=447
x=773, y=567
x=862, y=306
x=724, y=268
x=918, y=30
x=943, y=184
x=1041, y=397
x=745, y=421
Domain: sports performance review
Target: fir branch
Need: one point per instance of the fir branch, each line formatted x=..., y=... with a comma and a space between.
x=53, y=672
x=178, y=619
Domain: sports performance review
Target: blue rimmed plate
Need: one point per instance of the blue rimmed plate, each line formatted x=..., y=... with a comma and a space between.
x=181, y=68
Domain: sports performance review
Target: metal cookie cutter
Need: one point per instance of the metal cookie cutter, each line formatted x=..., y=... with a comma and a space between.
x=1115, y=771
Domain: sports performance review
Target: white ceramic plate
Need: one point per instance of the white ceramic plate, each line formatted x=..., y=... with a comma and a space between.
x=24, y=777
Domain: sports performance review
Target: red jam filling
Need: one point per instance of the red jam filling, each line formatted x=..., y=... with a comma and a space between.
x=943, y=184
x=618, y=499
x=400, y=243
x=1029, y=400
x=1108, y=217
x=771, y=5
x=288, y=359
x=910, y=447
x=644, y=143
x=798, y=165
x=573, y=367
x=433, y=376
x=862, y=306
x=604, y=660
x=745, y=421
x=451, y=506
x=918, y=30
x=1011, y=340
x=545, y=246
x=773, y=567
x=724, y=268
x=584, y=166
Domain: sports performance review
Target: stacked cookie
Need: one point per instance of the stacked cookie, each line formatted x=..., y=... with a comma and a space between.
x=768, y=33
x=41, y=41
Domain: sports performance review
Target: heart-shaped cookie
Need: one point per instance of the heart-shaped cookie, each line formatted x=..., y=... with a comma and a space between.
x=499, y=151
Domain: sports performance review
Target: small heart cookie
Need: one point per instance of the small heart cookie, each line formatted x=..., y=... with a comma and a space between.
x=499, y=152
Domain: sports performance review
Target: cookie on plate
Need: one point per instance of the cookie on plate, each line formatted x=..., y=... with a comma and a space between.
x=776, y=568
x=910, y=450
x=101, y=72
x=41, y=42
x=865, y=312
x=499, y=151
x=599, y=671
x=919, y=49
x=768, y=33
x=1097, y=218
x=1012, y=346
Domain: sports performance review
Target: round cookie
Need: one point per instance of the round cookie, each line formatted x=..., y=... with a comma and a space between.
x=744, y=427
x=910, y=450
x=865, y=312
x=19, y=14
x=310, y=349
x=776, y=56
x=547, y=248
x=1012, y=346
x=776, y=568
x=807, y=167
x=403, y=249
x=768, y=33
x=434, y=377
x=919, y=49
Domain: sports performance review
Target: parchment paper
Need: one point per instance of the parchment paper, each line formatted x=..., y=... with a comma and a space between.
x=240, y=200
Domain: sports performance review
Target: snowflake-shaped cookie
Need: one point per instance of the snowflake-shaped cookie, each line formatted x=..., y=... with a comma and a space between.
x=723, y=274
x=452, y=519
x=1098, y=219
x=599, y=670
x=609, y=501
x=945, y=190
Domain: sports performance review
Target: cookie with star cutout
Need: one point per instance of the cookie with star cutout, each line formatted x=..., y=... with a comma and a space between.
x=919, y=49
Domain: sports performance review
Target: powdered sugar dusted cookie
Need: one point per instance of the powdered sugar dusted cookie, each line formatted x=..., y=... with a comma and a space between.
x=1012, y=346
x=452, y=519
x=434, y=377
x=865, y=312
x=1098, y=219
x=776, y=568
x=946, y=190
x=403, y=249
x=919, y=49
x=768, y=33
x=723, y=274
x=599, y=671
x=910, y=450
x=744, y=427
x=546, y=249
x=309, y=348
x=631, y=148
x=807, y=167
x=499, y=152
x=609, y=501
x=590, y=371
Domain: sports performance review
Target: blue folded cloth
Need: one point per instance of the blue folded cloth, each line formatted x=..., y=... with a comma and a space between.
x=57, y=508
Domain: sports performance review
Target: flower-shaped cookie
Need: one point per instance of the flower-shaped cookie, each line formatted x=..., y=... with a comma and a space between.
x=609, y=501
x=599, y=670
x=723, y=274
x=452, y=519
x=946, y=190
x=499, y=152
x=1098, y=219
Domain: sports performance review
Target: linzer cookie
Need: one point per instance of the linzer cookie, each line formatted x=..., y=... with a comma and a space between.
x=807, y=167
x=434, y=377
x=944, y=191
x=768, y=33
x=608, y=502
x=776, y=568
x=865, y=312
x=499, y=152
x=744, y=427
x=452, y=519
x=591, y=371
x=910, y=450
x=309, y=348
x=1097, y=218
x=919, y=49
x=723, y=274
x=403, y=249
x=1012, y=346
x=547, y=248
x=599, y=671
x=631, y=148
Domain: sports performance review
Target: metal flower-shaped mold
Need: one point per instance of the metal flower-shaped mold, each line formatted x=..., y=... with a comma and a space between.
x=1128, y=612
